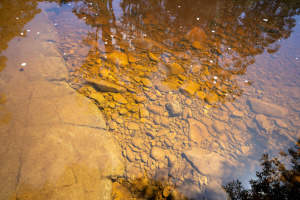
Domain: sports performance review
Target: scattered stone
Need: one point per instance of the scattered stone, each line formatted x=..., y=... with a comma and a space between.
x=119, y=98
x=188, y=102
x=153, y=57
x=263, y=122
x=140, y=99
x=219, y=126
x=157, y=153
x=113, y=125
x=207, y=121
x=138, y=142
x=169, y=97
x=165, y=121
x=151, y=133
x=106, y=86
x=123, y=111
x=98, y=97
x=185, y=113
x=175, y=68
x=162, y=132
x=174, y=108
x=168, y=142
x=119, y=120
x=240, y=125
x=212, y=98
x=166, y=86
x=144, y=113
x=280, y=123
x=144, y=157
x=237, y=113
x=189, y=87
x=210, y=163
x=133, y=126
x=118, y=58
x=198, y=131
x=267, y=108
x=155, y=109
x=197, y=45
x=176, y=145
x=146, y=82
x=156, y=119
x=172, y=159
x=196, y=34
x=130, y=155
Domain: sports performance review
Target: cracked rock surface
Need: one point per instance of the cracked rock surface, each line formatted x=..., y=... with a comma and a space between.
x=55, y=145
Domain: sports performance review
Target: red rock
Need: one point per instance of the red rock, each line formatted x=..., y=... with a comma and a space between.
x=196, y=34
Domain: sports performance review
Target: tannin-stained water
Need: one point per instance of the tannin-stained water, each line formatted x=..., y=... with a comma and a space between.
x=194, y=91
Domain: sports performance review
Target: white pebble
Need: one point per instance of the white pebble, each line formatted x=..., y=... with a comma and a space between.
x=23, y=64
x=84, y=18
x=111, y=36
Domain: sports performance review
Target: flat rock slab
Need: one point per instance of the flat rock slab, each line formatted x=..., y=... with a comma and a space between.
x=267, y=108
x=55, y=144
x=210, y=163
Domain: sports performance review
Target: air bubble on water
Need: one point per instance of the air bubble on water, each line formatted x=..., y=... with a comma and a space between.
x=64, y=53
x=211, y=61
x=226, y=94
x=23, y=64
x=229, y=48
x=145, y=35
x=192, y=66
x=22, y=33
x=91, y=3
x=28, y=30
x=215, y=77
x=233, y=95
x=69, y=4
x=246, y=81
x=55, y=24
x=180, y=26
x=84, y=18
x=198, y=18
x=213, y=31
x=105, y=42
x=111, y=36
x=167, y=11
x=215, y=82
x=265, y=20
x=17, y=17
x=178, y=6
x=38, y=33
x=296, y=58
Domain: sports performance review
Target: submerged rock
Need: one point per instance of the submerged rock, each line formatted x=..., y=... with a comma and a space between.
x=166, y=86
x=210, y=163
x=196, y=34
x=106, y=86
x=157, y=153
x=176, y=68
x=118, y=58
x=198, y=131
x=212, y=98
x=267, y=108
x=174, y=108
x=263, y=122
x=189, y=87
x=156, y=109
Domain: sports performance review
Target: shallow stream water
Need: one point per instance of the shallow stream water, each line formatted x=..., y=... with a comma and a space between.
x=194, y=91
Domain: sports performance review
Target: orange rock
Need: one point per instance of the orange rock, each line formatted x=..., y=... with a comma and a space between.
x=196, y=34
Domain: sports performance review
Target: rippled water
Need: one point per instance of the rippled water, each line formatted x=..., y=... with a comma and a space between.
x=194, y=91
